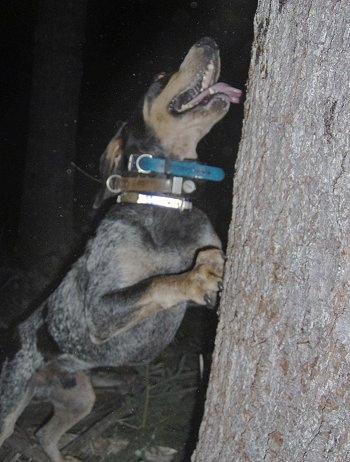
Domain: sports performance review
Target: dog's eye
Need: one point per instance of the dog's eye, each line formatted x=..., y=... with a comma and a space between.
x=159, y=82
x=159, y=76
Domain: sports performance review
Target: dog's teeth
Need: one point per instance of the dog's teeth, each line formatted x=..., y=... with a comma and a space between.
x=211, y=91
x=207, y=76
x=184, y=107
x=204, y=82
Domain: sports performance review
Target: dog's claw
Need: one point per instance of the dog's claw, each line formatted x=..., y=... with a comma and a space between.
x=207, y=277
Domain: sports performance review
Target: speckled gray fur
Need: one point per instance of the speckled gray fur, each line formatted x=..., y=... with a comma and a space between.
x=132, y=244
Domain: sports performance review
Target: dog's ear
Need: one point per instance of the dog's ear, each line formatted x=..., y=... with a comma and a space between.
x=110, y=163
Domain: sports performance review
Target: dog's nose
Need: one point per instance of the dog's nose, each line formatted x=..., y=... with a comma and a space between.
x=207, y=41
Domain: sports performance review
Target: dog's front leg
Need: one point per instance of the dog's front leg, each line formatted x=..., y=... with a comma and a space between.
x=122, y=309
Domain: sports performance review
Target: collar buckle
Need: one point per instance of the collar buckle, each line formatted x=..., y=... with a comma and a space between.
x=135, y=163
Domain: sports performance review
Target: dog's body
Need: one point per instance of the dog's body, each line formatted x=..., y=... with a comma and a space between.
x=124, y=299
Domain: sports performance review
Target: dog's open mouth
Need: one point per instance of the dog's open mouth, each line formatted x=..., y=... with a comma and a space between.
x=203, y=90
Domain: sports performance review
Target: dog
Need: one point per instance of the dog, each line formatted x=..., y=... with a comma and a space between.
x=153, y=254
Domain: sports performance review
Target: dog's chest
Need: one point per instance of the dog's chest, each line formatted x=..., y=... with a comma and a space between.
x=134, y=245
x=129, y=247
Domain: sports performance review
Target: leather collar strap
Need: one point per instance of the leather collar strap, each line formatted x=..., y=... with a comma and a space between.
x=146, y=163
x=178, y=203
x=175, y=185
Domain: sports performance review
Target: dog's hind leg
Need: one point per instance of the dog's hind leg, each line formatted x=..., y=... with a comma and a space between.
x=72, y=397
x=10, y=420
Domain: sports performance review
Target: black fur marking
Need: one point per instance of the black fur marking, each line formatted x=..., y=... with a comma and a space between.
x=10, y=344
x=68, y=382
x=281, y=5
x=45, y=343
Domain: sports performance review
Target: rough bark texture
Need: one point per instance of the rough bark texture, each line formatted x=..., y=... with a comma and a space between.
x=47, y=207
x=279, y=388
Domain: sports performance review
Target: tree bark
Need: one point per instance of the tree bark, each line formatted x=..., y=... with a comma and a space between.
x=46, y=225
x=279, y=386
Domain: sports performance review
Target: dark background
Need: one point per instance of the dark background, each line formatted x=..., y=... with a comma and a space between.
x=126, y=43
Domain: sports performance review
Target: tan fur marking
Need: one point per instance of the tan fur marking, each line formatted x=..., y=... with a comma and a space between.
x=113, y=153
x=180, y=134
x=195, y=285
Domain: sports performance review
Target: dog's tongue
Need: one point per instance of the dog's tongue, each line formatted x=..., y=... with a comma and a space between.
x=233, y=94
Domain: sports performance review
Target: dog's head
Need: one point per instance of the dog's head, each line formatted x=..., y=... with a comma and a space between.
x=182, y=108
x=177, y=111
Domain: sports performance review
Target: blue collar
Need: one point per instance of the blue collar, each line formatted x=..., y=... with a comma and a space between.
x=146, y=163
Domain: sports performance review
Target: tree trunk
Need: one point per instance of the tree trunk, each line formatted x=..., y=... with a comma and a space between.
x=279, y=387
x=46, y=228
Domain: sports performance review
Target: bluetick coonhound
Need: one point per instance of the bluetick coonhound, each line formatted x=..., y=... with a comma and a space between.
x=153, y=255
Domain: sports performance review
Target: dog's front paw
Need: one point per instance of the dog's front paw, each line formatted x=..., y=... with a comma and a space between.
x=205, y=279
